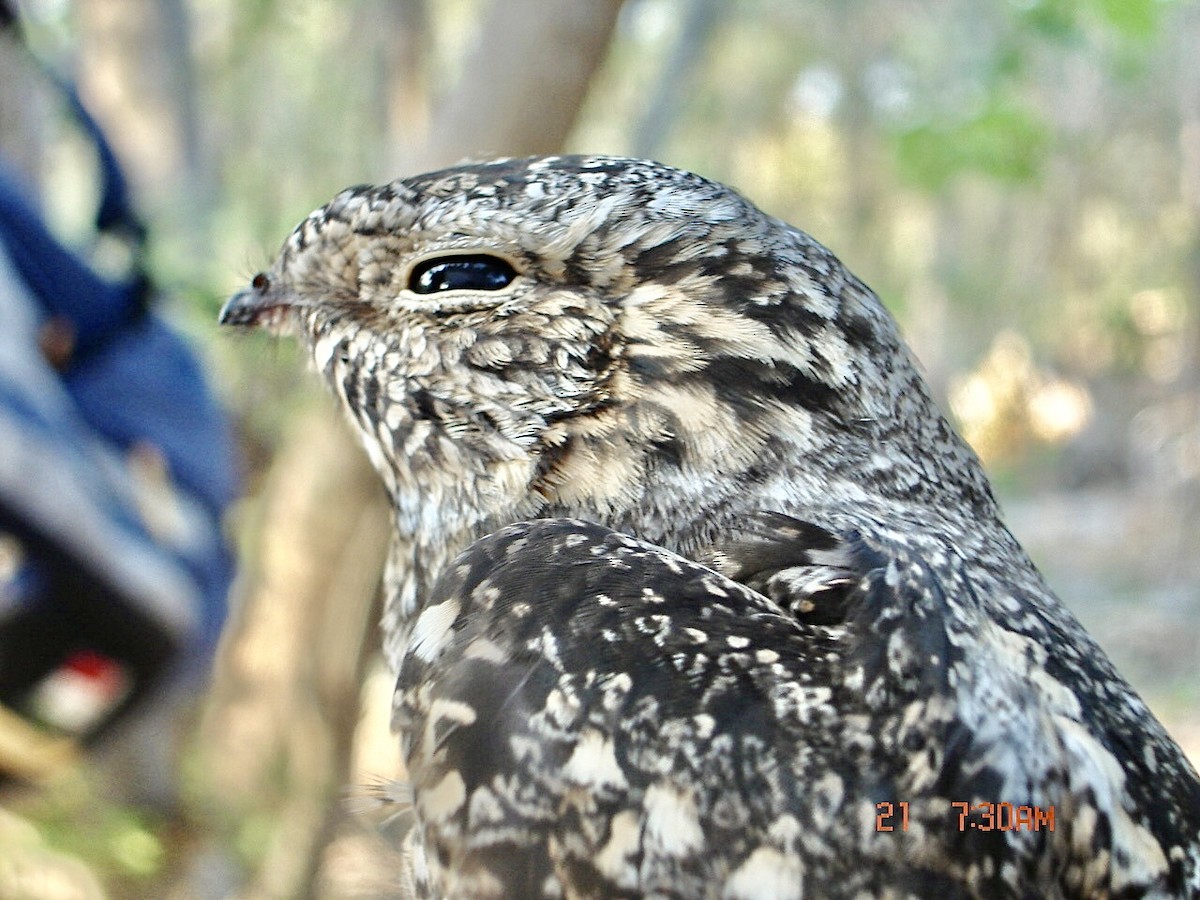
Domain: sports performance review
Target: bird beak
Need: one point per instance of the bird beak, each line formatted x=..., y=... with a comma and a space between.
x=242, y=309
x=258, y=306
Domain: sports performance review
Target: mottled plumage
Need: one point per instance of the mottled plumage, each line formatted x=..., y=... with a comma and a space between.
x=765, y=587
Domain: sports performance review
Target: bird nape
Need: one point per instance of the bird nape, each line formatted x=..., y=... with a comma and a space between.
x=693, y=591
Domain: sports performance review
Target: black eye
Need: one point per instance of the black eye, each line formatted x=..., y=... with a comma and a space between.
x=478, y=272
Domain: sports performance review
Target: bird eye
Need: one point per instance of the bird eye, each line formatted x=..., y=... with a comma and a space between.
x=478, y=272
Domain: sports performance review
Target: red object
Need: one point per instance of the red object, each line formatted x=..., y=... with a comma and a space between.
x=80, y=693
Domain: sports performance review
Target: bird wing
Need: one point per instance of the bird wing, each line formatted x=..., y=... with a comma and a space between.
x=978, y=718
x=583, y=709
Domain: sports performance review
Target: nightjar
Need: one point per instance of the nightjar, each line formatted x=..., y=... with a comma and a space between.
x=693, y=590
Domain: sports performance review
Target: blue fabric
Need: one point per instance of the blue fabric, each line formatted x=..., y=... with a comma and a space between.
x=63, y=283
x=146, y=385
x=132, y=380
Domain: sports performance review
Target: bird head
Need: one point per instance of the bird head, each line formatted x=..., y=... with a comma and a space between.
x=602, y=337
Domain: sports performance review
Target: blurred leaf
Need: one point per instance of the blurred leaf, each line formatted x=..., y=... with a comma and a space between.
x=136, y=850
x=1004, y=142
x=1064, y=20
x=1010, y=62
x=119, y=843
x=1134, y=19
x=1053, y=19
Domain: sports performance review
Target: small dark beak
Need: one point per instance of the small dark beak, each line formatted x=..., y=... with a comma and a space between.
x=252, y=306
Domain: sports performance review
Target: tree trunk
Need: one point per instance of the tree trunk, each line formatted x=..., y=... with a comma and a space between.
x=523, y=84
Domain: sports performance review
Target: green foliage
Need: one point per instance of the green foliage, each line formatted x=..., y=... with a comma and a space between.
x=1054, y=19
x=120, y=843
x=1004, y=142
x=1063, y=20
x=1008, y=138
x=1133, y=19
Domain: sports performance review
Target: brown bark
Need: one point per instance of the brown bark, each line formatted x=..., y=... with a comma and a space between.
x=524, y=82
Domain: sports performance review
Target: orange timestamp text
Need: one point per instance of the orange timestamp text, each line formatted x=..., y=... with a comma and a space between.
x=972, y=816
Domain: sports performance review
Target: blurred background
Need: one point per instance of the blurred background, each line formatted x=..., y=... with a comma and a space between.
x=1019, y=181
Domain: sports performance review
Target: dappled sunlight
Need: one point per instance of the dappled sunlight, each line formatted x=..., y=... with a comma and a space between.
x=1160, y=316
x=1008, y=400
